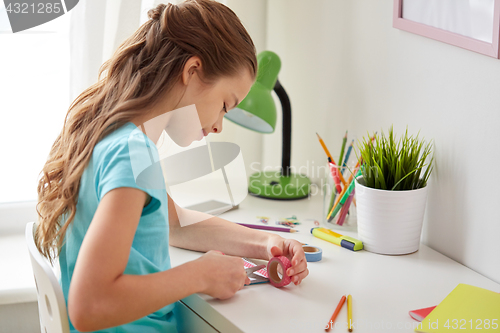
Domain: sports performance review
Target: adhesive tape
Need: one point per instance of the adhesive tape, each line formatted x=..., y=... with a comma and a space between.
x=312, y=253
x=274, y=276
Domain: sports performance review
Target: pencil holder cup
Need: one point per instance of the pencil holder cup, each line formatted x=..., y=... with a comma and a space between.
x=345, y=217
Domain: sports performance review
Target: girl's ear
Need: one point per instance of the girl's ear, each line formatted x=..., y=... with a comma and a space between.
x=190, y=68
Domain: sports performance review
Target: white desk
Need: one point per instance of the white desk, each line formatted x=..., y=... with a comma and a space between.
x=384, y=288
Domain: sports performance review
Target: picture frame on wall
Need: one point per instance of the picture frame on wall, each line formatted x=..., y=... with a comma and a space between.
x=470, y=24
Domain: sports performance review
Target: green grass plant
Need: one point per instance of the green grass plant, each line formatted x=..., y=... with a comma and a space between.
x=396, y=164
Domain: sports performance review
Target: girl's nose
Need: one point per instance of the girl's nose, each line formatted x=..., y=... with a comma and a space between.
x=217, y=127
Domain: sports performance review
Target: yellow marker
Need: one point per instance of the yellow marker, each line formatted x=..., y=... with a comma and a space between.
x=349, y=312
x=338, y=239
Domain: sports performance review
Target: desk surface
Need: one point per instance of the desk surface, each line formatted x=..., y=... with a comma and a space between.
x=384, y=288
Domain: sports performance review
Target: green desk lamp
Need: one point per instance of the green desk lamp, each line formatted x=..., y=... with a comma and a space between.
x=257, y=112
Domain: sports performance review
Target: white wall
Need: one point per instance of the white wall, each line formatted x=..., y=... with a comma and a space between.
x=346, y=67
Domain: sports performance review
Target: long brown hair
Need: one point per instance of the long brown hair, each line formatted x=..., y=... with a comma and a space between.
x=143, y=69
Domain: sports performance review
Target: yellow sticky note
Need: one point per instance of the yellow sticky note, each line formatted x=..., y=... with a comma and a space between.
x=467, y=308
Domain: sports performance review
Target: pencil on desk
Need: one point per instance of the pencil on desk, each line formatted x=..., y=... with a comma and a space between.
x=335, y=313
x=265, y=227
x=349, y=313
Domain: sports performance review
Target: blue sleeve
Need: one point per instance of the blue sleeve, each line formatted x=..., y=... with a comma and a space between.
x=124, y=163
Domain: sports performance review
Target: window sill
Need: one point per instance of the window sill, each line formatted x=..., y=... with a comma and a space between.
x=14, y=216
x=17, y=284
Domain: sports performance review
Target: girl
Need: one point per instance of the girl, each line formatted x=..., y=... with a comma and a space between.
x=111, y=234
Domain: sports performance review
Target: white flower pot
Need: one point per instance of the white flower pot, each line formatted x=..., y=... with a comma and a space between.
x=390, y=222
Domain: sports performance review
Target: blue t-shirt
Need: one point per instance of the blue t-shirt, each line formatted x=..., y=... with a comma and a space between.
x=125, y=158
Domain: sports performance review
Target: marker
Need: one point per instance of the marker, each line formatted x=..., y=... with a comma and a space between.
x=335, y=313
x=338, y=239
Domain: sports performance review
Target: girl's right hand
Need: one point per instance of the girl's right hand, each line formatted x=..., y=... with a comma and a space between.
x=222, y=276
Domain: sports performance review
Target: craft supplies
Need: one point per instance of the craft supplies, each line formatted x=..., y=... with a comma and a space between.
x=265, y=227
x=343, y=198
x=349, y=313
x=330, y=156
x=254, y=278
x=335, y=313
x=313, y=253
x=338, y=239
x=347, y=191
x=289, y=221
x=335, y=175
x=263, y=219
x=345, y=209
x=277, y=278
x=256, y=275
x=347, y=155
x=341, y=158
x=336, y=202
x=473, y=308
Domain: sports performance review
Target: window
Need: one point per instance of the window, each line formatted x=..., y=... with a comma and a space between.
x=34, y=98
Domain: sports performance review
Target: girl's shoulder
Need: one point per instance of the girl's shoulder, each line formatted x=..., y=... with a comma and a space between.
x=121, y=137
x=126, y=158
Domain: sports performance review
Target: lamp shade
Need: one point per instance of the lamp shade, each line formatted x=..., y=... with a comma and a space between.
x=257, y=111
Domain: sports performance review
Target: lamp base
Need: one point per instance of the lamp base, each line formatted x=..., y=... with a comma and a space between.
x=273, y=185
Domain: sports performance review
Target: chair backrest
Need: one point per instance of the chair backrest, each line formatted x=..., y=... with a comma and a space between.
x=51, y=303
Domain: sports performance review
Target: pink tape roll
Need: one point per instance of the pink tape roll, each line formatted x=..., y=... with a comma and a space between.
x=272, y=269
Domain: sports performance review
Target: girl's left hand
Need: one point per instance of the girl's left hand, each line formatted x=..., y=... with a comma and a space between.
x=292, y=249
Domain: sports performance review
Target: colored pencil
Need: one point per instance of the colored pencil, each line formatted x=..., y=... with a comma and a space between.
x=335, y=313
x=341, y=196
x=324, y=146
x=345, y=208
x=341, y=158
x=265, y=227
x=345, y=195
x=330, y=156
x=347, y=155
x=349, y=312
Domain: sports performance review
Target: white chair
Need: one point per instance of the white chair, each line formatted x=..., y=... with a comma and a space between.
x=51, y=303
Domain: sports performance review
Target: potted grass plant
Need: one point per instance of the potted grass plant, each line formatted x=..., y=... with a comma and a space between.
x=392, y=192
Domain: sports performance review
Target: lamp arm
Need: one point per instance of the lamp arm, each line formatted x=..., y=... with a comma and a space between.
x=287, y=128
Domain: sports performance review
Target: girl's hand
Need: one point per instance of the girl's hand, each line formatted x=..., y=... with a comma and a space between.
x=222, y=275
x=292, y=249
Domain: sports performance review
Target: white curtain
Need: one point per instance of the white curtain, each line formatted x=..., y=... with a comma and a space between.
x=97, y=29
